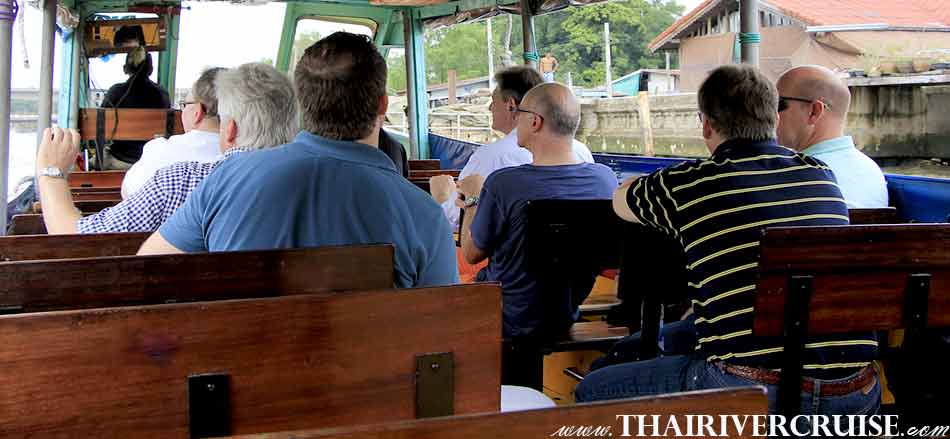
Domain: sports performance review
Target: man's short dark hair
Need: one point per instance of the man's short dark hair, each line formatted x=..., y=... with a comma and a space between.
x=129, y=33
x=739, y=102
x=340, y=80
x=514, y=82
x=205, y=92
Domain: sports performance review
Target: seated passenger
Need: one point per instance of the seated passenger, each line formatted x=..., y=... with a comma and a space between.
x=494, y=220
x=137, y=92
x=257, y=110
x=331, y=185
x=199, y=117
x=717, y=209
x=513, y=83
x=813, y=109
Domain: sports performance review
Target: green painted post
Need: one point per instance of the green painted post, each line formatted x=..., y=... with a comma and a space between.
x=69, y=94
x=287, y=38
x=168, y=59
x=417, y=92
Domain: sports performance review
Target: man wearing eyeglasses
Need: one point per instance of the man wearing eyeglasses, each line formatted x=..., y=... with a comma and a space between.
x=493, y=224
x=813, y=110
x=199, y=143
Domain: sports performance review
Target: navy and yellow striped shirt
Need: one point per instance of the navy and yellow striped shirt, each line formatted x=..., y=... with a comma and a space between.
x=717, y=209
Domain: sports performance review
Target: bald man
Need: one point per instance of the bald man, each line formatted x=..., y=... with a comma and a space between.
x=813, y=111
x=494, y=213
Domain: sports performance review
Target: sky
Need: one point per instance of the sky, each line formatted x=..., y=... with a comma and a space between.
x=252, y=33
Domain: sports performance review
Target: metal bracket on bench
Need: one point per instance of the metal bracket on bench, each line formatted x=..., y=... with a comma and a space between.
x=435, y=385
x=916, y=296
x=209, y=405
x=100, y=138
x=797, y=300
x=169, y=123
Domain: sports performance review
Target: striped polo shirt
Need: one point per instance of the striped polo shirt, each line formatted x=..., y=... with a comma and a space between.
x=717, y=209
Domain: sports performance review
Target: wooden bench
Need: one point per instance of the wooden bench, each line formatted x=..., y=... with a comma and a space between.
x=425, y=165
x=421, y=178
x=32, y=286
x=571, y=420
x=251, y=366
x=882, y=215
x=843, y=279
x=29, y=248
x=97, y=179
x=102, y=125
x=27, y=224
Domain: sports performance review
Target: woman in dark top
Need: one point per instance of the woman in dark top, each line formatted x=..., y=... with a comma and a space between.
x=137, y=92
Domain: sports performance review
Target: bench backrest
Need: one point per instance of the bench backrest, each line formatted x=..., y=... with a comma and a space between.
x=27, y=224
x=882, y=215
x=133, y=123
x=571, y=421
x=30, y=248
x=32, y=286
x=248, y=366
x=109, y=179
x=424, y=165
x=860, y=275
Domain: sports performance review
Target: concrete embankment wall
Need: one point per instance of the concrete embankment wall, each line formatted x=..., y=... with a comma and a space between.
x=886, y=121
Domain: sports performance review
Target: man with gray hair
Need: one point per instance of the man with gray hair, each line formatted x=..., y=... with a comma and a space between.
x=256, y=108
x=493, y=223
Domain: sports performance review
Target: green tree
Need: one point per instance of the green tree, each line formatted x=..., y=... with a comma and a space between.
x=302, y=41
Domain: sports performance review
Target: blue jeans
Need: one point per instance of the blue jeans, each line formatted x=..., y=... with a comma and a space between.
x=680, y=373
x=678, y=338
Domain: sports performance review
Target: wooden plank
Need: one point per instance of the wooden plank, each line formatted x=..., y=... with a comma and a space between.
x=433, y=172
x=137, y=280
x=96, y=179
x=104, y=196
x=27, y=224
x=590, y=336
x=860, y=274
x=94, y=206
x=545, y=423
x=134, y=123
x=883, y=215
x=425, y=165
x=29, y=248
x=309, y=361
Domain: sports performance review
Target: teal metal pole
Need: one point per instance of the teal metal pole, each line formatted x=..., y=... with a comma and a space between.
x=417, y=95
x=168, y=60
x=68, y=102
x=531, y=56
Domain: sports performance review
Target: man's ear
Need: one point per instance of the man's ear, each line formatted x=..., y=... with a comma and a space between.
x=817, y=112
x=199, y=113
x=510, y=104
x=230, y=133
x=707, y=128
x=383, y=105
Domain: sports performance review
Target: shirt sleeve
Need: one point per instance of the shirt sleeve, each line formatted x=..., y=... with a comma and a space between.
x=488, y=226
x=185, y=229
x=140, y=212
x=652, y=203
x=442, y=268
x=142, y=170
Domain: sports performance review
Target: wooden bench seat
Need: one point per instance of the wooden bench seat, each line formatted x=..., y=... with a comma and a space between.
x=32, y=286
x=110, y=179
x=882, y=215
x=27, y=224
x=425, y=165
x=251, y=366
x=843, y=279
x=29, y=248
x=749, y=401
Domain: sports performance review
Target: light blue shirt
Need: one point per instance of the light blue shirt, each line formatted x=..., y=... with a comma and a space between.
x=860, y=179
x=315, y=192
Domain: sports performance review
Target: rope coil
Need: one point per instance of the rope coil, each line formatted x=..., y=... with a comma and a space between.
x=749, y=38
x=531, y=56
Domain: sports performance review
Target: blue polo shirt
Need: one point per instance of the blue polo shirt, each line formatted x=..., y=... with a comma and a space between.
x=860, y=179
x=317, y=192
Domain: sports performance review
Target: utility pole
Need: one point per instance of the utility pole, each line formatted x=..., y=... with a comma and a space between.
x=609, y=76
x=749, y=36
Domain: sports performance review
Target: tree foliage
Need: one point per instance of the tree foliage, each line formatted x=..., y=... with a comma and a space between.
x=575, y=36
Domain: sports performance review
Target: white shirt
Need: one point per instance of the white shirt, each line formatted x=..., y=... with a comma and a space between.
x=501, y=154
x=860, y=179
x=193, y=146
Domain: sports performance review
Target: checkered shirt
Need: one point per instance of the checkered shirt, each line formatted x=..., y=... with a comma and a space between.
x=149, y=207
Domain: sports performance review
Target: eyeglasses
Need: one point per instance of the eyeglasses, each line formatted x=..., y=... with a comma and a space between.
x=783, y=102
x=519, y=110
x=182, y=104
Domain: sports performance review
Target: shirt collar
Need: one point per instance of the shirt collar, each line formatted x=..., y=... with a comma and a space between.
x=830, y=145
x=234, y=150
x=744, y=147
x=344, y=150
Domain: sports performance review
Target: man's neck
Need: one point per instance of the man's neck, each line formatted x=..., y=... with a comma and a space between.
x=371, y=140
x=821, y=137
x=207, y=127
x=556, y=152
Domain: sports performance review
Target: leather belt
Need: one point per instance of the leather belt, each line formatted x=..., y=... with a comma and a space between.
x=838, y=388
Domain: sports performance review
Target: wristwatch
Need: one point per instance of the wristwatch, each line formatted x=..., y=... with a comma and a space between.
x=52, y=171
x=469, y=202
